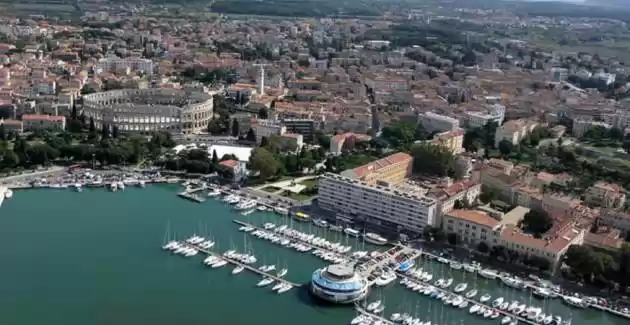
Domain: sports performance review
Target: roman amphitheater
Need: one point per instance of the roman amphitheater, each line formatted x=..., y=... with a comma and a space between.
x=155, y=109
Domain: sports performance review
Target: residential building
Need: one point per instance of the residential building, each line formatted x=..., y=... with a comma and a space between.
x=43, y=122
x=604, y=238
x=238, y=169
x=560, y=204
x=433, y=122
x=12, y=126
x=616, y=219
x=580, y=126
x=378, y=206
x=494, y=113
x=293, y=140
x=388, y=171
x=346, y=141
x=514, y=131
x=606, y=195
x=452, y=140
x=447, y=193
x=472, y=227
x=113, y=64
x=265, y=128
x=305, y=127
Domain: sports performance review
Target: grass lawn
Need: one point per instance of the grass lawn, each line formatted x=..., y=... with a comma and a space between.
x=299, y=196
x=309, y=183
x=270, y=189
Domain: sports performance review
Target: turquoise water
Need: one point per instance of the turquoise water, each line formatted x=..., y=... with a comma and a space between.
x=95, y=258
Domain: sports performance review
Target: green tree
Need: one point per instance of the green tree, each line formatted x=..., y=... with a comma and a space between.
x=506, y=147
x=104, y=131
x=537, y=222
x=433, y=160
x=92, y=128
x=263, y=162
x=482, y=247
x=3, y=133
x=115, y=132
x=263, y=113
x=235, y=128
x=215, y=158
x=251, y=136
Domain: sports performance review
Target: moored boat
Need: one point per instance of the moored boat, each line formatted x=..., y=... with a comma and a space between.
x=373, y=238
x=351, y=232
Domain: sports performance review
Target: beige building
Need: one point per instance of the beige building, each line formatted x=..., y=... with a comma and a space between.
x=43, y=122
x=433, y=122
x=514, y=131
x=388, y=171
x=606, y=195
x=472, y=227
x=452, y=140
x=346, y=141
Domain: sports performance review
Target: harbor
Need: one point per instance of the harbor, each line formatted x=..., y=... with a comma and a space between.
x=154, y=286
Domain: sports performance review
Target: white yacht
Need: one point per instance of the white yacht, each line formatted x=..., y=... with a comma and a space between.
x=265, y=282
x=488, y=274
x=575, y=302
x=513, y=282
x=113, y=186
x=285, y=287
x=238, y=269
x=385, y=278
x=214, y=193
x=470, y=294
x=485, y=297
x=373, y=238
x=373, y=305
x=219, y=263
x=171, y=245
x=320, y=223
x=352, y=232
x=282, y=272
x=246, y=205
x=261, y=208
x=461, y=287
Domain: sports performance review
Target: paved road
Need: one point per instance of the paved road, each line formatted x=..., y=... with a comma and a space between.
x=20, y=177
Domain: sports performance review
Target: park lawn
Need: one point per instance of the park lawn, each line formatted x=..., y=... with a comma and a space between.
x=310, y=183
x=270, y=189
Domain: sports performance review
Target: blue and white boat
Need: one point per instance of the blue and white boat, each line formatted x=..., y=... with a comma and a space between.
x=405, y=265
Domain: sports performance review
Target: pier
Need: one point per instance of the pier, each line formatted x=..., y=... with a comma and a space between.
x=189, y=194
x=246, y=266
x=364, y=312
x=391, y=255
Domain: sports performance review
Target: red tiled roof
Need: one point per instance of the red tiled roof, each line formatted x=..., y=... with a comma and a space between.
x=477, y=217
x=374, y=166
x=230, y=163
x=38, y=117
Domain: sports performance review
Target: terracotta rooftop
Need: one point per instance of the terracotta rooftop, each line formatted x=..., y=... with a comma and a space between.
x=477, y=217
x=362, y=171
x=231, y=163
x=38, y=117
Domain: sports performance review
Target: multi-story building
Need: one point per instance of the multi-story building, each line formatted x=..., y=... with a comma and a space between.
x=606, y=195
x=581, y=126
x=12, y=126
x=118, y=64
x=616, y=219
x=346, y=141
x=389, y=171
x=376, y=206
x=452, y=140
x=305, y=127
x=561, y=204
x=514, y=131
x=265, y=128
x=448, y=193
x=472, y=227
x=43, y=122
x=494, y=113
x=433, y=122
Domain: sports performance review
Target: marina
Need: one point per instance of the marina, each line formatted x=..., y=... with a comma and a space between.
x=183, y=288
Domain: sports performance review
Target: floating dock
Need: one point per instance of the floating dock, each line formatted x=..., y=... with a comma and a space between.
x=246, y=266
x=364, y=312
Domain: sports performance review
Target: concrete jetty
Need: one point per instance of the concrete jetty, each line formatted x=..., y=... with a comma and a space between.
x=189, y=194
x=246, y=266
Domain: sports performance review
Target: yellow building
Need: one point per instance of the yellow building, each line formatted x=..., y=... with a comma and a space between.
x=453, y=140
x=387, y=171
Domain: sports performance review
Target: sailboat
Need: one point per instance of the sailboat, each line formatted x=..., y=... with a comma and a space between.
x=238, y=269
x=169, y=244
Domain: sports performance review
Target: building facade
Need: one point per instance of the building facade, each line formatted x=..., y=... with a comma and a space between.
x=380, y=206
x=43, y=122
x=433, y=122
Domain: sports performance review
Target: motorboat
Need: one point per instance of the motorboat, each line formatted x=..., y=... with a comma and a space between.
x=171, y=245
x=497, y=302
x=238, y=269
x=277, y=286
x=261, y=208
x=375, y=239
x=320, y=223
x=336, y=228
x=267, y=268
x=373, y=305
x=485, y=297
x=351, y=232
x=456, y=266
x=575, y=302
x=513, y=282
x=461, y=287
x=470, y=267
x=385, y=278
x=379, y=309
x=488, y=313
x=488, y=274
x=265, y=282
x=506, y=320
x=246, y=205
x=504, y=306
x=210, y=260
x=214, y=193
x=358, y=320
x=495, y=314
x=542, y=293
x=285, y=287
x=282, y=272
x=457, y=300
x=396, y=317
x=463, y=304
x=470, y=294
x=219, y=263
x=474, y=308
x=548, y=319
x=447, y=283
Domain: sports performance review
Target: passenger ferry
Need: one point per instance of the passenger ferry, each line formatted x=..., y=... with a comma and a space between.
x=373, y=238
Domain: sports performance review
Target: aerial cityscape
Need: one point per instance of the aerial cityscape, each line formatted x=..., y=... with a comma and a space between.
x=273, y=161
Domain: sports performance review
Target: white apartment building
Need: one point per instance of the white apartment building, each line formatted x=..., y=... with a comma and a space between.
x=433, y=122
x=384, y=207
x=118, y=64
x=494, y=113
x=265, y=128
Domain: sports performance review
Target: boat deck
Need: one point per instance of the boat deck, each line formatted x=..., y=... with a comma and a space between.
x=246, y=266
x=367, y=268
x=473, y=301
